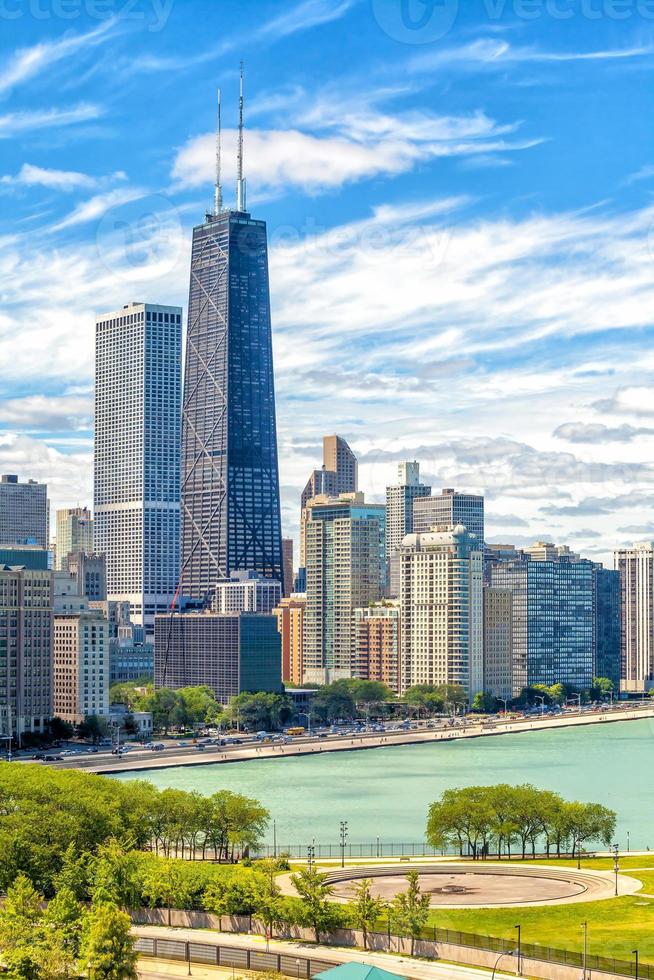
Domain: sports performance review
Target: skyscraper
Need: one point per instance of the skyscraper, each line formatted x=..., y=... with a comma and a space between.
x=74, y=534
x=230, y=481
x=24, y=512
x=137, y=429
x=338, y=474
x=450, y=507
x=345, y=555
x=287, y=551
x=636, y=568
x=441, y=609
x=399, y=516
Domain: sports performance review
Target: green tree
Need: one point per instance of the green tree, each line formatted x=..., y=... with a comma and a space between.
x=165, y=884
x=366, y=909
x=108, y=947
x=60, y=730
x=21, y=929
x=93, y=728
x=601, y=688
x=63, y=917
x=269, y=905
x=116, y=875
x=315, y=910
x=410, y=910
x=484, y=702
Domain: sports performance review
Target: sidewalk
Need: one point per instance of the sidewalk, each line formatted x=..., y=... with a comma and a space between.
x=402, y=965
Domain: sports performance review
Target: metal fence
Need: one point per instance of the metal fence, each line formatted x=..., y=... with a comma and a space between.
x=371, y=849
x=548, y=954
x=304, y=967
x=232, y=956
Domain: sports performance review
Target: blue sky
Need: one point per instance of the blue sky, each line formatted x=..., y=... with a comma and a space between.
x=459, y=199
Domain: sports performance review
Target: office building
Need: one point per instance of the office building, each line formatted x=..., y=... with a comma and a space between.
x=338, y=474
x=450, y=508
x=137, y=457
x=90, y=573
x=229, y=654
x=607, y=622
x=25, y=650
x=80, y=665
x=399, y=516
x=547, y=551
x=230, y=481
x=345, y=570
x=636, y=569
x=24, y=512
x=246, y=592
x=287, y=553
x=26, y=555
x=290, y=623
x=377, y=644
x=553, y=620
x=74, y=534
x=498, y=643
x=441, y=609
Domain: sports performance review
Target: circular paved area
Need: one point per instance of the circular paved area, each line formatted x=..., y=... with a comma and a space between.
x=468, y=888
x=464, y=885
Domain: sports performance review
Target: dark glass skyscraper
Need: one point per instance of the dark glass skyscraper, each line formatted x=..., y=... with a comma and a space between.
x=230, y=481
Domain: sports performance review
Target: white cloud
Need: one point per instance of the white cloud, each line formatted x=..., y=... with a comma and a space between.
x=302, y=17
x=62, y=180
x=370, y=144
x=26, y=121
x=97, y=206
x=68, y=475
x=30, y=62
x=48, y=413
x=491, y=53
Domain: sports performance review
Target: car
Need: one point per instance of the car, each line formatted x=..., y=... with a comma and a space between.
x=38, y=756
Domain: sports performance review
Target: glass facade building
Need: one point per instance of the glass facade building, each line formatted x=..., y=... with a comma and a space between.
x=553, y=620
x=230, y=481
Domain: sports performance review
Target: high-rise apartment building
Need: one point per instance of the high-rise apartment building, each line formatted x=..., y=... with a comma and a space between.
x=498, y=643
x=137, y=456
x=553, y=619
x=345, y=559
x=636, y=568
x=246, y=592
x=24, y=512
x=450, y=507
x=441, y=609
x=290, y=623
x=399, y=504
x=25, y=650
x=287, y=553
x=377, y=644
x=229, y=654
x=74, y=534
x=339, y=474
x=230, y=481
x=607, y=624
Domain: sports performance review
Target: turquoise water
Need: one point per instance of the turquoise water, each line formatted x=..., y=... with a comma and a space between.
x=385, y=792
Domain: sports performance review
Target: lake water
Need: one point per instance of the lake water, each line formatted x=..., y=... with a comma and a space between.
x=385, y=792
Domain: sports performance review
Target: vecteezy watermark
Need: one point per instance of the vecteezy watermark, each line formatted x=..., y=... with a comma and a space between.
x=142, y=237
x=153, y=13
x=425, y=21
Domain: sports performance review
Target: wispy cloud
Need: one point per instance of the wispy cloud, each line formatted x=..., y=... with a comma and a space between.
x=97, y=206
x=30, y=62
x=492, y=53
x=13, y=123
x=305, y=15
x=62, y=180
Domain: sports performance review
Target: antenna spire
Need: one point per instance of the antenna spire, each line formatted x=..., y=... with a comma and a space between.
x=240, y=183
x=218, y=191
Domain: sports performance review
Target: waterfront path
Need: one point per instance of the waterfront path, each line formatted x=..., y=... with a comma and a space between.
x=173, y=756
x=404, y=966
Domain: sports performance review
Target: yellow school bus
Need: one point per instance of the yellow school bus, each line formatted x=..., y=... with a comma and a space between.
x=295, y=731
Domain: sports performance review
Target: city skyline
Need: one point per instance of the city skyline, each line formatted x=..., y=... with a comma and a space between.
x=506, y=280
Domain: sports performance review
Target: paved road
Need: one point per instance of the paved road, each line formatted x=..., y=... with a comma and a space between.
x=138, y=759
x=401, y=965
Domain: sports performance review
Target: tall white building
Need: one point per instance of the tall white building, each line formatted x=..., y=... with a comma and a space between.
x=636, y=567
x=137, y=455
x=246, y=592
x=399, y=504
x=441, y=609
x=24, y=512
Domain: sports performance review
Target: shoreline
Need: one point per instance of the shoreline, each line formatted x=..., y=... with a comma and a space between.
x=146, y=760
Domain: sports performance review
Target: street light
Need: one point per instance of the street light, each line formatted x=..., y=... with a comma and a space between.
x=505, y=702
x=343, y=841
x=519, y=947
x=307, y=715
x=188, y=958
x=311, y=856
x=584, y=926
x=635, y=953
x=510, y=952
x=616, y=865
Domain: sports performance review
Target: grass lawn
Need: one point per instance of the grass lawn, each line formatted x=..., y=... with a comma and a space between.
x=616, y=926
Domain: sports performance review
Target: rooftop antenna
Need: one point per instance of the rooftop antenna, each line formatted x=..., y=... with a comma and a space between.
x=218, y=191
x=240, y=183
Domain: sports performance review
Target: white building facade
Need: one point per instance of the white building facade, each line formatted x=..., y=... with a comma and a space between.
x=137, y=455
x=441, y=609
